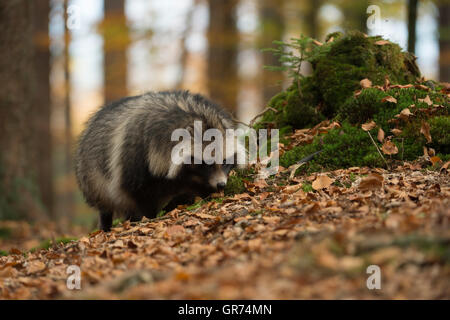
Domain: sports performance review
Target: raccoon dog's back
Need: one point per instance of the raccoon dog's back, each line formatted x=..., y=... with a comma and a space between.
x=123, y=156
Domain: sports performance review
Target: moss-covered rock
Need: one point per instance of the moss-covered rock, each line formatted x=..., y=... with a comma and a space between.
x=338, y=67
x=354, y=57
x=295, y=109
x=370, y=104
x=330, y=92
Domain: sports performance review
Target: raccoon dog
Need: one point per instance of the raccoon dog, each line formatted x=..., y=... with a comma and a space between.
x=123, y=161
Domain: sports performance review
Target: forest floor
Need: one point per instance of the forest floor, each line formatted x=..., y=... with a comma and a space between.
x=285, y=238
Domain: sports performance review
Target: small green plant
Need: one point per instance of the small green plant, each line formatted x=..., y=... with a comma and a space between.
x=161, y=213
x=3, y=253
x=307, y=187
x=117, y=222
x=5, y=232
x=46, y=244
x=293, y=54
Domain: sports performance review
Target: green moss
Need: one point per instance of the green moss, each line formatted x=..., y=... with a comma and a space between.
x=294, y=110
x=307, y=187
x=368, y=106
x=3, y=253
x=338, y=68
x=49, y=243
x=354, y=57
x=201, y=202
x=235, y=185
x=5, y=232
x=440, y=134
x=342, y=147
x=116, y=222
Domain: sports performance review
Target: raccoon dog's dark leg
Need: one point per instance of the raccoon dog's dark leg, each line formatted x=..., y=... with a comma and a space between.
x=106, y=220
x=134, y=217
x=180, y=200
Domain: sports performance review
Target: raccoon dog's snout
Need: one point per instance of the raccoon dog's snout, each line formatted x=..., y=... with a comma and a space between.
x=221, y=186
x=218, y=180
x=123, y=160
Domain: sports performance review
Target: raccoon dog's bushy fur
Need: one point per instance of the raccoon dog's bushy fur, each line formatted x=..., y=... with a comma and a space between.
x=123, y=160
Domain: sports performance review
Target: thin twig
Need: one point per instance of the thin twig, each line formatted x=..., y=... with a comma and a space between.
x=238, y=121
x=378, y=149
x=261, y=114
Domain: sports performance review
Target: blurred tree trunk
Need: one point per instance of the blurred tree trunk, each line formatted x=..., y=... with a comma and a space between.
x=272, y=28
x=355, y=15
x=223, y=47
x=184, y=51
x=116, y=39
x=19, y=159
x=69, y=196
x=412, y=19
x=42, y=67
x=444, y=40
x=312, y=18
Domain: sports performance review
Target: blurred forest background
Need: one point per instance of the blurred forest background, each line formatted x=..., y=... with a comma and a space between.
x=62, y=59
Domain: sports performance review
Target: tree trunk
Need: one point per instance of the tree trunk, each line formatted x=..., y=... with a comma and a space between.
x=312, y=18
x=19, y=160
x=223, y=42
x=116, y=39
x=355, y=14
x=444, y=41
x=42, y=99
x=69, y=201
x=412, y=18
x=272, y=28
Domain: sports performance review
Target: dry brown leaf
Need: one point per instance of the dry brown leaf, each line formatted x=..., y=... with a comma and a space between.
x=421, y=87
x=175, y=230
x=380, y=135
x=445, y=165
x=405, y=114
x=431, y=152
x=382, y=42
x=389, y=148
x=435, y=160
x=205, y=216
x=372, y=181
x=368, y=125
x=401, y=86
x=365, y=83
x=426, y=100
x=386, y=82
x=260, y=183
x=322, y=182
x=389, y=99
x=396, y=132
x=35, y=267
x=425, y=130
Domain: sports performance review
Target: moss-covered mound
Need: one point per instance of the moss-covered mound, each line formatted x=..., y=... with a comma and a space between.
x=411, y=113
x=401, y=119
x=338, y=67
